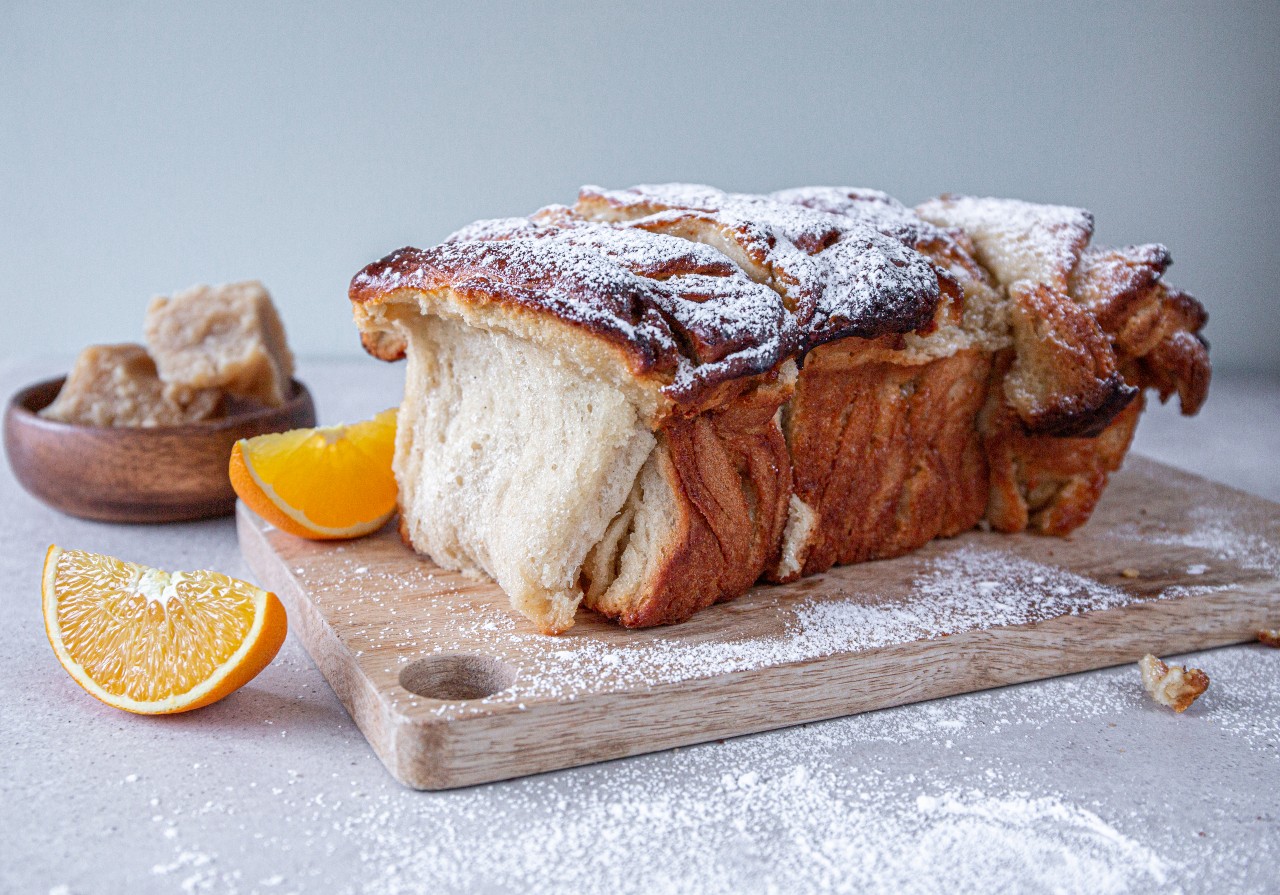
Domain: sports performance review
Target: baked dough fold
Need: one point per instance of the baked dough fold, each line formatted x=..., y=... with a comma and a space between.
x=650, y=400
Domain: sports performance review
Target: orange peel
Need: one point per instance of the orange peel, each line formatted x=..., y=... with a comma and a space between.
x=326, y=483
x=153, y=642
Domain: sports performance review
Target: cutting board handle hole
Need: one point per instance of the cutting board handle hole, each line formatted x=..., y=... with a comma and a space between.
x=457, y=676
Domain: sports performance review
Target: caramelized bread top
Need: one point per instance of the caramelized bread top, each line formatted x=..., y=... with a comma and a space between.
x=1017, y=240
x=1090, y=326
x=682, y=289
x=837, y=275
x=690, y=297
x=679, y=314
x=950, y=249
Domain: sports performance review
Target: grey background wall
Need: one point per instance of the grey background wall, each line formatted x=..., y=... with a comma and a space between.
x=143, y=149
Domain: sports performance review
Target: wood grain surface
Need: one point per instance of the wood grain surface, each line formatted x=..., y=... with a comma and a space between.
x=451, y=688
x=134, y=474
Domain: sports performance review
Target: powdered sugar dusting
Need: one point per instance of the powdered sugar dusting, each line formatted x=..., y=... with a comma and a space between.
x=965, y=589
x=678, y=309
x=840, y=275
x=975, y=793
x=692, y=282
x=1216, y=530
x=788, y=823
x=961, y=591
x=874, y=208
x=818, y=808
x=1018, y=240
x=977, y=582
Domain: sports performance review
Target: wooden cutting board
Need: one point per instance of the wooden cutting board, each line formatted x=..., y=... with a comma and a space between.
x=452, y=688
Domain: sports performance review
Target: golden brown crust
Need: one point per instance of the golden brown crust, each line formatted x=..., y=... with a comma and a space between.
x=691, y=331
x=1017, y=240
x=838, y=275
x=886, y=455
x=735, y=480
x=1148, y=322
x=1115, y=286
x=1046, y=483
x=951, y=250
x=675, y=308
x=1064, y=379
x=384, y=345
x=731, y=478
x=1052, y=484
x=1179, y=363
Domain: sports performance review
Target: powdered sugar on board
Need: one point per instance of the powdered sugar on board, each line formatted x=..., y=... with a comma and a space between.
x=1216, y=530
x=962, y=614
x=975, y=582
x=963, y=588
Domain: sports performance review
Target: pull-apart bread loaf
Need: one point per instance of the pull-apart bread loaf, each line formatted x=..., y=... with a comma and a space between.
x=651, y=400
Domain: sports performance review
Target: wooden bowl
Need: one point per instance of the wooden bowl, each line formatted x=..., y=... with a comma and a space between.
x=162, y=474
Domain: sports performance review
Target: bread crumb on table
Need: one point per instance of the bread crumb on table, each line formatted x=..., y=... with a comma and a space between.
x=1172, y=685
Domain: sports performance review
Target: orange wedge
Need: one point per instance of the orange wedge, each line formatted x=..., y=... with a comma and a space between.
x=153, y=642
x=326, y=483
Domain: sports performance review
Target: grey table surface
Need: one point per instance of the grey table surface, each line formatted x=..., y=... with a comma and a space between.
x=1076, y=784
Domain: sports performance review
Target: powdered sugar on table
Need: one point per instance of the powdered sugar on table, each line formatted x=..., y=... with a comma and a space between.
x=827, y=807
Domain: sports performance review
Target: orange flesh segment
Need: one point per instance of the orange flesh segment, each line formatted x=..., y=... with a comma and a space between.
x=151, y=641
x=334, y=478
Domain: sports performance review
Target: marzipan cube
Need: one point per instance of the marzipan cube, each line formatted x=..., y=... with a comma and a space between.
x=117, y=385
x=228, y=337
